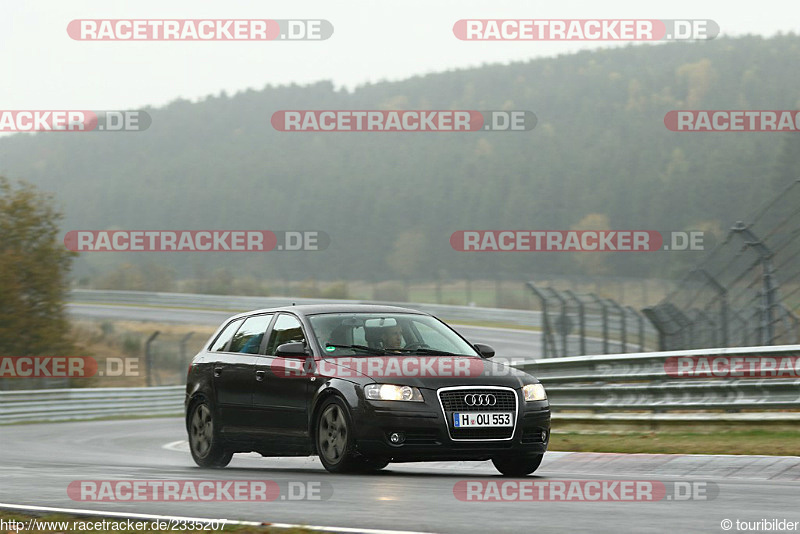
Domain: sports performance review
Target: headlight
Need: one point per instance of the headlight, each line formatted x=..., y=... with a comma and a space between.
x=391, y=392
x=534, y=392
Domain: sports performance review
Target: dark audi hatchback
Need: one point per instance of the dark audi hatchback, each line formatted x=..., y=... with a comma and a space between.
x=361, y=386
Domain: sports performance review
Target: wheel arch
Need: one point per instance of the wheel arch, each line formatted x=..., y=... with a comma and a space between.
x=345, y=391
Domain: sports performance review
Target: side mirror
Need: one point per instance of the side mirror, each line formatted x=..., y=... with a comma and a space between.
x=295, y=349
x=485, y=350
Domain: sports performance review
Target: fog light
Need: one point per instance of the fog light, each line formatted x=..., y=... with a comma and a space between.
x=544, y=436
x=397, y=438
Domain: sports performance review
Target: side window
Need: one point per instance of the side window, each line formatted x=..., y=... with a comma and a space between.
x=221, y=342
x=248, y=339
x=287, y=329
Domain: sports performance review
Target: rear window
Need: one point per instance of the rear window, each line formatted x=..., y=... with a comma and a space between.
x=248, y=339
x=225, y=336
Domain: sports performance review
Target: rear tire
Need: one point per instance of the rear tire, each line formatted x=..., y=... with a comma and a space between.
x=517, y=466
x=205, y=443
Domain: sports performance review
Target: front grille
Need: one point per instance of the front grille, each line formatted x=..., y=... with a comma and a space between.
x=452, y=400
x=504, y=432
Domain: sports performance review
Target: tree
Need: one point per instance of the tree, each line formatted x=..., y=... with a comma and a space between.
x=34, y=264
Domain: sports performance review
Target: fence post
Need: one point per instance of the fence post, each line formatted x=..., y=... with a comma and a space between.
x=770, y=288
x=787, y=313
x=623, y=328
x=546, y=331
x=640, y=321
x=652, y=315
x=182, y=346
x=604, y=312
x=723, y=304
x=581, y=319
x=563, y=327
x=148, y=357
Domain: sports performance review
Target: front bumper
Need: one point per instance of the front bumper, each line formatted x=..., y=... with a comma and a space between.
x=425, y=433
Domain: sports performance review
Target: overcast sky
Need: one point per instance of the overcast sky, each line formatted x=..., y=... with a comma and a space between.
x=42, y=68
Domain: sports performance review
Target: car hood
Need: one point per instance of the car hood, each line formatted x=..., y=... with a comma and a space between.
x=424, y=371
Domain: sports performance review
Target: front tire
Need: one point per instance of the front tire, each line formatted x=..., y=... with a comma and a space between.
x=334, y=438
x=205, y=443
x=517, y=466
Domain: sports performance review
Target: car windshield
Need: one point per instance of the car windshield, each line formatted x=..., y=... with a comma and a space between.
x=349, y=334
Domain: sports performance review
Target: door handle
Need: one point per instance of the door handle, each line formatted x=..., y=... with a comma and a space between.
x=260, y=375
x=217, y=372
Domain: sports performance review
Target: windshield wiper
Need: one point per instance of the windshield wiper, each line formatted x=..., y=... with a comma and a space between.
x=423, y=350
x=357, y=347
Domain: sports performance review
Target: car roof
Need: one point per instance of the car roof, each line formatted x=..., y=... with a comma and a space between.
x=317, y=309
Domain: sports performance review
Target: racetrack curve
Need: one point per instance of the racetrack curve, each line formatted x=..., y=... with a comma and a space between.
x=39, y=461
x=508, y=343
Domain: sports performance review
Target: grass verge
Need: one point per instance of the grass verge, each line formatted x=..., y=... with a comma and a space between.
x=753, y=442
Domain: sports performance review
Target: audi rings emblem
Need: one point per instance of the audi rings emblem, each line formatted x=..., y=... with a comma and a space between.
x=474, y=399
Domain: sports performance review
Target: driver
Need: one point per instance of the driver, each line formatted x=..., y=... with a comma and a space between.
x=392, y=337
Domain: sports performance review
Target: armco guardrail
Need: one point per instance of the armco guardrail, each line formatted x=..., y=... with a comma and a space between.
x=89, y=403
x=648, y=382
x=617, y=384
x=243, y=303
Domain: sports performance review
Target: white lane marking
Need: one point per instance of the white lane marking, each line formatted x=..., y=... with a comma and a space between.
x=179, y=446
x=149, y=517
x=183, y=446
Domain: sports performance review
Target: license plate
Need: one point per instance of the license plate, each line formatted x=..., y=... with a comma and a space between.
x=482, y=419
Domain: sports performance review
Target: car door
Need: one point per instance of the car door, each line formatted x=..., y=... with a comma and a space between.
x=233, y=371
x=280, y=398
